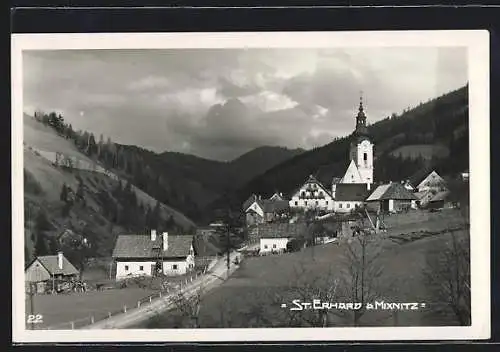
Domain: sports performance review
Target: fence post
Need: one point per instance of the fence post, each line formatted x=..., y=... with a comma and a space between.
x=191, y=279
x=138, y=304
x=150, y=298
x=124, y=309
x=109, y=314
x=160, y=294
x=92, y=319
x=72, y=325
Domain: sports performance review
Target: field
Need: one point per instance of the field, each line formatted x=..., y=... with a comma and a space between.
x=253, y=295
x=427, y=151
x=60, y=310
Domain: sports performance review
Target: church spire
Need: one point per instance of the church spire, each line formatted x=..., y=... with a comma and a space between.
x=361, y=101
x=361, y=118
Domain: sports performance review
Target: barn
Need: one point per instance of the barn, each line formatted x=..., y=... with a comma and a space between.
x=47, y=271
x=391, y=197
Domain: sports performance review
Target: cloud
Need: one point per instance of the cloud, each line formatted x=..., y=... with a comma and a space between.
x=221, y=103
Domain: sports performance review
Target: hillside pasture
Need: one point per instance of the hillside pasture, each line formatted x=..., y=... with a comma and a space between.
x=252, y=297
x=426, y=151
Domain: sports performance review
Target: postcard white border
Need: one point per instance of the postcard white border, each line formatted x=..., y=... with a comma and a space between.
x=477, y=42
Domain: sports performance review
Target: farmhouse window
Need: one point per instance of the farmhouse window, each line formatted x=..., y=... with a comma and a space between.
x=126, y=267
x=265, y=246
x=317, y=202
x=348, y=205
x=141, y=268
x=305, y=203
x=340, y=205
x=174, y=266
x=326, y=202
x=274, y=245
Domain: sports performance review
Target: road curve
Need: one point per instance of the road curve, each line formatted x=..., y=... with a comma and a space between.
x=136, y=316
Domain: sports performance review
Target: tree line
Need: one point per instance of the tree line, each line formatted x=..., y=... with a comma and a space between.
x=145, y=171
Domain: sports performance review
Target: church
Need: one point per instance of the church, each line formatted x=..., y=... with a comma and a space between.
x=347, y=192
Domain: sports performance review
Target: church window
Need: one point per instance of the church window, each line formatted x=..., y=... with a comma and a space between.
x=365, y=157
x=305, y=203
x=296, y=203
x=317, y=203
x=326, y=202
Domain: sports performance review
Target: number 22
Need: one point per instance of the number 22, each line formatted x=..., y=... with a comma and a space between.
x=35, y=319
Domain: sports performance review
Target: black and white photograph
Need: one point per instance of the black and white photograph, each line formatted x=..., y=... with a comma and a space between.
x=250, y=186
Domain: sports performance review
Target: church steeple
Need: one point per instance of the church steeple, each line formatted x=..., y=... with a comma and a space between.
x=361, y=129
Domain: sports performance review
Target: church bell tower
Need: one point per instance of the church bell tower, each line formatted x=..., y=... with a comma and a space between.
x=361, y=151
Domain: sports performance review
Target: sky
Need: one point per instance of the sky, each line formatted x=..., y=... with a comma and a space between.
x=221, y=103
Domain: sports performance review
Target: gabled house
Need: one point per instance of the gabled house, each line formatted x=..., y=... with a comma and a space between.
x=425, y=180
x=274, y=237
x=349, y=196
x=391, y=197
x=312, y=195
x=45, y=270
x=150, y=255
x=258, y=210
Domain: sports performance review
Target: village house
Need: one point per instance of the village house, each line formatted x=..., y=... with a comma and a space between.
x=425, y=180
x=440, y=200
x=151, y=255
x=274, y=237
x=349, y=196
x=312, y=195
x=391, y=197
x=258, y=210
x=46, y=271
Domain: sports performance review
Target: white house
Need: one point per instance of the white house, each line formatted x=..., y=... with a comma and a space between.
x=312, y=195
x=274, y=237
x=150, y=255
x=349, y=196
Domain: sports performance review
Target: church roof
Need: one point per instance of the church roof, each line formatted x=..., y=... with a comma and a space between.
x=353, y=169
x=351, y=192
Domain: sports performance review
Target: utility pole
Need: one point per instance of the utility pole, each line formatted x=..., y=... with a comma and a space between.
x=32, y=308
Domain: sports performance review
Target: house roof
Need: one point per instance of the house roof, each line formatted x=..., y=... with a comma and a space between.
x=141, y=246
x=270, y=206
x=281, y=230
x=419, y=176
x=351, y=192
x=50, y=262
x=393, y=190
x=249, y=201
x=440, y=196
x=378, y=192
x=312, y=179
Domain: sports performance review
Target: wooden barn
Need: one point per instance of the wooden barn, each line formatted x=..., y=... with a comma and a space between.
x=46, y=271
x=391, y=197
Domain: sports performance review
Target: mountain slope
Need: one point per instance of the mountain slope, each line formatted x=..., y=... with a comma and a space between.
x=441, y=121
x=101, y=208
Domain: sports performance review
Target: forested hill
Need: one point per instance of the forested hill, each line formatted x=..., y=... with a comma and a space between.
x=439, y=124
x=189, y=183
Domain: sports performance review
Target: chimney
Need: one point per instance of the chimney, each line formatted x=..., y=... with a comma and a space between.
x=153, y=235
x=165, y=241
x=60, y=260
